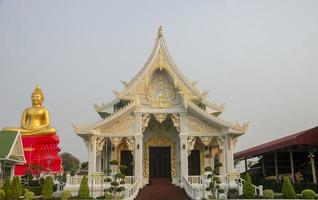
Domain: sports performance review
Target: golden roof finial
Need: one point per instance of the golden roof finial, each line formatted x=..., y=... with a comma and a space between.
x=160, y=32
x=37, y=90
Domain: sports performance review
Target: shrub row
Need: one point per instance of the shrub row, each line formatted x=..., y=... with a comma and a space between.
x=277, y=186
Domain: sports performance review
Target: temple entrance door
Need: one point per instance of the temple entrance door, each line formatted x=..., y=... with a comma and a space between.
x=159, y=162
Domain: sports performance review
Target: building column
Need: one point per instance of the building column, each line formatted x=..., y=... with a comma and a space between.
x=138, y=155
x=229, y=154
x=183, y=136
x=221, y=156
x=313, y=167
x=292, y=165
x=276, y=165
x=92, y=154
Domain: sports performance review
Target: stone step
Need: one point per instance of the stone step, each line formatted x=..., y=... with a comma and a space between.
x=161, y=188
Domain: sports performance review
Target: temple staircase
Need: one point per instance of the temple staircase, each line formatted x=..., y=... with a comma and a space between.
x=161, y=188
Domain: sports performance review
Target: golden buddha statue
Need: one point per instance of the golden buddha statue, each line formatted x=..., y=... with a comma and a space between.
x=36, y=119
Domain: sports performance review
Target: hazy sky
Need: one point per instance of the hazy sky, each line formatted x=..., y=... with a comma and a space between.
x=260, y=58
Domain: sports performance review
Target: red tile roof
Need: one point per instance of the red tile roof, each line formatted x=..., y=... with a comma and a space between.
x=307, y=137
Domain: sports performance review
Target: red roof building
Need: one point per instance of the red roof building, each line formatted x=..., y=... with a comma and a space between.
x=288, y=154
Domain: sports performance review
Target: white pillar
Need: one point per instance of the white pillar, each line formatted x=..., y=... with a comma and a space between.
x=221, y=159
x=222, y=155
x=229, y=154
x=92, y=155
x=138, y=157
x=313, y=167
x=183, y=136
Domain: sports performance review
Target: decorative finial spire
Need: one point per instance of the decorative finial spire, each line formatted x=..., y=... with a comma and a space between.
x=37, y=90
x=160, y=32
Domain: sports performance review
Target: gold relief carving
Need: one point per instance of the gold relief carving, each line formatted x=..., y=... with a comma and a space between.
x=176, y=121
x=160, y=117
x=220, y=141
x=127, y=143
x=160, y=140
x=160, y=93
x=145, y=121
x=115, y=141
x=100, y=144
x=122, y=126
x=191, y=142
x=200, y=126
x=202, y=161
x=206, y=140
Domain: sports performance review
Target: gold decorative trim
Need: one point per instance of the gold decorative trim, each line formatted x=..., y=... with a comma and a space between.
x=160, y=140
x=200, y=126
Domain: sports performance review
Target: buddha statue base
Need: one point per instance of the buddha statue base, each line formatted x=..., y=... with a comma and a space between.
x=41, y=153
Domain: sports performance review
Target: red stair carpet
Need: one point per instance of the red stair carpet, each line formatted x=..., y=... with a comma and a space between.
x=161, y=188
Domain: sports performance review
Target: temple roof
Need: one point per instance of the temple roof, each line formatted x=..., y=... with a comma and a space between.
x=161, y=58
x=192, y=97
x=11, y=146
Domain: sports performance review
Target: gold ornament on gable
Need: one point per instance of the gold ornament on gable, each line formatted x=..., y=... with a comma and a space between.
x=200, y=126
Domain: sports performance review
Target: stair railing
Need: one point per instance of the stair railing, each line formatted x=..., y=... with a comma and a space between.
x=193, y=192
x=133, y=190
x=257, y=189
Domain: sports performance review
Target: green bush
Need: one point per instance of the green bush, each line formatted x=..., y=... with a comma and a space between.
x=2, y=195
x=308, y=194
x=114, y=162
x=232, y=193
x=6, y=187
x=123, y=169
x=268, y=194
x=47, y=189
x=66, y=194
x=288, y=189
x=15, y=189
x=28, y=196
x=35, y=189
x=208, y=169
x=83, y=192
x=248, y=190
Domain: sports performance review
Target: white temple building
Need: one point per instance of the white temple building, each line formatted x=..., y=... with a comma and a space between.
x=161, y=125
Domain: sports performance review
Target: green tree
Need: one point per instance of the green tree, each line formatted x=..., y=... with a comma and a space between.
x=70, y=163
x=2, y=195
x=83, y=192
x=47, y=189
x=84, y=165
x=288, y=189
x=15, y=188
x=6, y=187
x=214, y=186
x=248, y=190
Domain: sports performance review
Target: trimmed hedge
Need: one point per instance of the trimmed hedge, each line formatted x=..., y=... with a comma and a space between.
x=308, y=194
x=288, y=189
x=83, y=192
x=28, y=196
x=268, y=194
x=35, y=189
x=47, y=190
x=277, y=186
x=66, y=194
x=2, y=195
x=248, y=190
